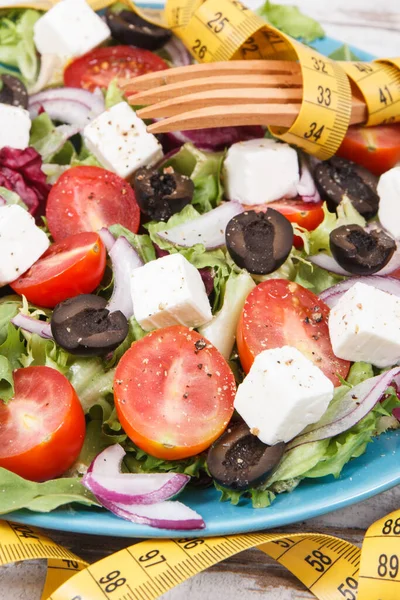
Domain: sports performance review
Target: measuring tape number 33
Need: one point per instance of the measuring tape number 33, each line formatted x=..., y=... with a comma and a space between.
x=331, y=568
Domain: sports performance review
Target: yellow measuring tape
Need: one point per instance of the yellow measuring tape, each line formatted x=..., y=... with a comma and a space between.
x=331, y=568
x=218, y=30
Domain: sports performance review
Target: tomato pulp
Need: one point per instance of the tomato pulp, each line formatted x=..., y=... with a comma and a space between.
x=173, y=393
x=100, y=66
x=280, y=313
x=89, y=198
x=42, y=428
x=72, y=267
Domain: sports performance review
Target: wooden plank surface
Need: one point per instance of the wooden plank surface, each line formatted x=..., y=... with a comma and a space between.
x=374, y=27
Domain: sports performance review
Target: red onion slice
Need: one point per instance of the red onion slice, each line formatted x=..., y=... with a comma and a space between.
x=107, y=238
x=163, y=515
x=178, y=52
x=33, y=325
x=124, y=260
x=349, y=410
x=306, y=187
x=105, y=480
x=68, y=105
x=324, y=261
x=216, y=138
x=332, y=295
x=208, y=229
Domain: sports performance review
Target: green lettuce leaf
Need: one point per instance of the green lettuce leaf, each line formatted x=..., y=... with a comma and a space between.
x=12, y=197
x=140, y=242
x=6, y=380
x=138, y=461
x=113, y=94
x=11, y=350
x=344, y=52
x=292, y=21
x=17, y=48
x=19, y=493
x=314, y=278
x=9, y=307
x=204, y=168
x=46, y=139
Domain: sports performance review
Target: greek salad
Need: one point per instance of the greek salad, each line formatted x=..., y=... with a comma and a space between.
x=202, y=308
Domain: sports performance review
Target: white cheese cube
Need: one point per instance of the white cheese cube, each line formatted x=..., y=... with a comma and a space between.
x=260, y=171
x=70, y=28
x=365, y=325
x=389, y=201
x=282, y=394
x=120, y=142
x=21, y=242
x=169, y=291
x=15, y=125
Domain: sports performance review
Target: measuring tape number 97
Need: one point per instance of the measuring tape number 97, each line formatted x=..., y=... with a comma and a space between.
x=331, y=568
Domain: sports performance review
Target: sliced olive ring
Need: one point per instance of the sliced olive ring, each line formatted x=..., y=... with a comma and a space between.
x=259, y=241
x=361, y=252
x=128, y=28
x=161, y=195
x=83, y=326
x=13, y=92
x=338, y=177
x=239, y=460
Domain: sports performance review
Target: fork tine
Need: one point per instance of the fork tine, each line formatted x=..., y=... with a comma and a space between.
x=255, y=96
x=217, y=69
x=174, y=90
x=228, y=115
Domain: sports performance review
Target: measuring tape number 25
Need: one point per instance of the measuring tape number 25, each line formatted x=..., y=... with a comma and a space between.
x=331, y=568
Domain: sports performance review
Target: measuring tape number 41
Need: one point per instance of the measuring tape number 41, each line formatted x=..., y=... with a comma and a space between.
x=331, y=568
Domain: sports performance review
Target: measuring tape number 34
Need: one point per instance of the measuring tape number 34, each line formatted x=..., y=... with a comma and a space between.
x=331, y=568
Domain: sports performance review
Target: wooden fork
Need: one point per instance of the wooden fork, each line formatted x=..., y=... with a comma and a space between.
x=251, y=92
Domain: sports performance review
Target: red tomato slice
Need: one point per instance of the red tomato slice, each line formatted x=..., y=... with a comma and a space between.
x=173, y=393
x=306, y=214
x=375, y=148
x=72, y=267
x=89, y=198
x=42, y=428
x=280, y=313
x=100, y=66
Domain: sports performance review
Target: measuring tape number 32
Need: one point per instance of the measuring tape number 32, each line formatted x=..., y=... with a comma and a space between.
x=331, y=568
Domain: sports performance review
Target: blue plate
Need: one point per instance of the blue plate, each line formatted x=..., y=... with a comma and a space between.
x=374, y=472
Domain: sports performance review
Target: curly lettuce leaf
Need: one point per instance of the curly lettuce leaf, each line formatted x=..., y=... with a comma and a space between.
x=204, y=168
x=17, y=48
x=140, y=242
x=292, y=21
x=344, y=52
x=19, y=493
x=46, y=138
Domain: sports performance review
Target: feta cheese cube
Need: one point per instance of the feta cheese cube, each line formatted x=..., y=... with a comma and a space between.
x=260, y=171
x=389, y=201
x=21, y=242
x=282, y=394
x=120, y=142
x=70, y=28
x=169, y=291
x=15, y=125
x=365, y=325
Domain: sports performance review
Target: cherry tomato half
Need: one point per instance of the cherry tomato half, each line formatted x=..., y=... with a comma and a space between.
x=72, y=267
x=173, y=393
x=306, y=214
x=89, y=198
x=280, y=313
x=42, y=428
x=375, y=148
x=100, y=66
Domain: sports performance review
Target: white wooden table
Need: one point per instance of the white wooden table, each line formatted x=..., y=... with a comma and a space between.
x=374, y=27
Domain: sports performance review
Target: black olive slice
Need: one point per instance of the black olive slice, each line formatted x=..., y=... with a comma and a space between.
x=239, y=460
x=83, y=326
x=361, y=252
x=338, y=177
x=259, y=241
x=13, y=92
x=160, y=195
x=128, y=28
